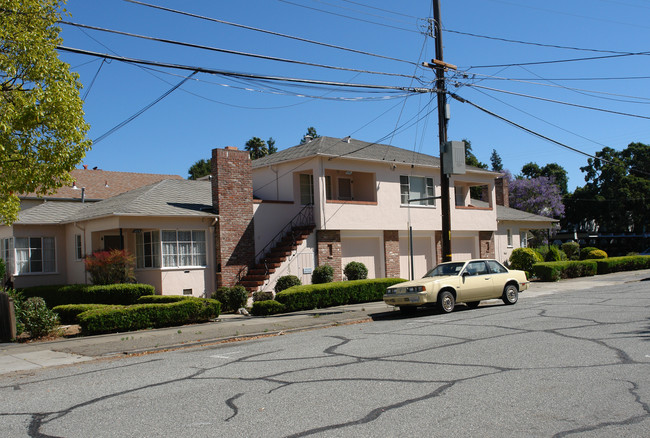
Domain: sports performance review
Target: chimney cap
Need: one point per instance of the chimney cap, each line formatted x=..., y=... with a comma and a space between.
x=231, y=148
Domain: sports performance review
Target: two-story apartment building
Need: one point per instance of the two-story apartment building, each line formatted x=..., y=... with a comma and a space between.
x=342, y=200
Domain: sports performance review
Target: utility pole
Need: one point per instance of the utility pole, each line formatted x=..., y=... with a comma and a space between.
x=442, y=134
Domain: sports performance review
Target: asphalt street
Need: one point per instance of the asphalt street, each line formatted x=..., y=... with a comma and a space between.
x=570, y=359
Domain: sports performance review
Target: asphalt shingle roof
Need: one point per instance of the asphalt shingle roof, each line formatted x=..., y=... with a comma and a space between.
x=512, y=214
x=48, y=213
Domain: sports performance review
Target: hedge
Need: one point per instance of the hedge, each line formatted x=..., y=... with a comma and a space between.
x=554, y=271
x=68, y=312
x=162, y=299
x=334, y=294
x=618, y=264
x=141, y=316
x=124, y=294
x=267, y=307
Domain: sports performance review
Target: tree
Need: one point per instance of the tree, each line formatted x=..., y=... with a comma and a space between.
x=531, y=170
x=539, y=196
x=495, y=160
x=42, y=129
x=311, y=132
x=199, y=169
x=470, y=158
x=551, y=170
x=271, y=145
x=257, y=148
x=615, y=198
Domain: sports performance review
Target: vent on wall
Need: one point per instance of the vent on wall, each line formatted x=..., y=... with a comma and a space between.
x=187, y=291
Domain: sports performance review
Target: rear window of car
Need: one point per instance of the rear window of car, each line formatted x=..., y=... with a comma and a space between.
x=496, y=267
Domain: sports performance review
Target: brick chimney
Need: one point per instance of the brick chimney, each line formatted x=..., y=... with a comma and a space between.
x=502, y=191
x=232, y=200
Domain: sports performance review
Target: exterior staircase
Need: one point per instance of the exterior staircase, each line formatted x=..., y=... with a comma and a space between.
x=259, y=274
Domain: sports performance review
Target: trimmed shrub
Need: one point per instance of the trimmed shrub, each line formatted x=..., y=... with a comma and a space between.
x=111, y=267
x=355, y=271
x=231, y=298
x=618, y=264
x=322, y=274
x=572, y=250
x=267, y=307
x=315, y=296
x=188, y=311
x=523, y=259
x=2, y=273
x=596, y=254
x=554, y=271
x=553, y=254
x=262, y=296
x=123, y=294
x=585, y=251
x=285, y=282
x=162, y=299
x=68, y=312
x=36, y=318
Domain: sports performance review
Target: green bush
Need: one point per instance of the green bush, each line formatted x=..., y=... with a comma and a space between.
x=141, y=316
x=355, y=271
x=111, y=267
x=524, y=258
x=585, y=251
x=231, y=298
x=36, y=318
x=618, y=264
x=322, y=274
x=68, y=312
x=554, y=271
x=596, y=254
x=162, y=299
x=262, y=296
x=285, y=282
x=553, y=254
x=123, y=294
x=572, y=250
x=334, y=294
x=267, y=307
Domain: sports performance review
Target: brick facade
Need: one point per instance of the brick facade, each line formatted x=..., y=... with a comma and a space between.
x=329, y=251
x=486, y=244
x=391, y=253
x=232, y=200
x=502, y=192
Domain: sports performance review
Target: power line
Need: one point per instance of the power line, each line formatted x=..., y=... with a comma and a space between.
x=362, y=12
x=255, y=29
x=239, y=74
x=228, y=51
x=620, y=113
x=558, y=61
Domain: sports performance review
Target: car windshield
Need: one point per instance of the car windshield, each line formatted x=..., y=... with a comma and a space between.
x=446, y=269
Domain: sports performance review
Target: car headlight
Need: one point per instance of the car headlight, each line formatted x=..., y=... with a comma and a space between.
x=413, y=289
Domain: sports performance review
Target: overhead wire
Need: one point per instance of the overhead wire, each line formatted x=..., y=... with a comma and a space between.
x=269, y=32
x=559, y=61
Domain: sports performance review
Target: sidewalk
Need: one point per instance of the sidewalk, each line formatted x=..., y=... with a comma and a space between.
x=35, y=355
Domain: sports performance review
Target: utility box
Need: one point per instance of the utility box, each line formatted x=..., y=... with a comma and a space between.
x=453, y=158
x=7, y=318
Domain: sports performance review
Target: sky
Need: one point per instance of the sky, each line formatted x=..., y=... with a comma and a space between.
x=596, y=97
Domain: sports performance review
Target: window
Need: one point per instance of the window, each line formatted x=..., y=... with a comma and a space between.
x=147, y=249
x=476, y=268
x=328, y=187
x=496, y=267
x=78, y=250
x=306, y=189
x=35, y=254
x=509, y=231
x=345, y=189
x=416, y=187
x=7, y=253
x=183, y=248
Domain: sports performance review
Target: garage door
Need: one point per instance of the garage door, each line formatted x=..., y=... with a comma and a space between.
x=365, y=250
x=422, y=257
x=463, y=248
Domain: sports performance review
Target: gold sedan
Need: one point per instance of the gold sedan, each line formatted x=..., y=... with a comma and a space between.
x=459, y=282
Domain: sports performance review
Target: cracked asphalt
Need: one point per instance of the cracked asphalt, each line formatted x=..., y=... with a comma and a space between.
x=575, y=363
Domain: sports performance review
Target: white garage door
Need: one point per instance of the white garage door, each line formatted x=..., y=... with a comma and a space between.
x=422, y=257
x=463, y=248
x=365, y=250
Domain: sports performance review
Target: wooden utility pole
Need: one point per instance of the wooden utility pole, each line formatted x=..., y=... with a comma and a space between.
x=442, y=134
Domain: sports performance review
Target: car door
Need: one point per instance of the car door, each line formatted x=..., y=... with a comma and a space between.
x=476, y=282
x=499, y=277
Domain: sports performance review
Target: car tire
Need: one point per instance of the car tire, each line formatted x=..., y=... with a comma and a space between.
x=473, y=304
x=510, y=294
x=407, y=310
x=446, y=301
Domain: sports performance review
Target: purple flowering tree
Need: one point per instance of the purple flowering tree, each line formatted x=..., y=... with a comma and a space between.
x=537, y=195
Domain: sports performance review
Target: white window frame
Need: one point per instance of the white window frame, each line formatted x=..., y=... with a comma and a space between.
x=27, y=262
x=7, y=254
x=405, y=182
x=147, y=254
x=182, y=246
x=509, y=237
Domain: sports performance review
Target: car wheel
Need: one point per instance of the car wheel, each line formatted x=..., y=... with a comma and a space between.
x=407, y=310
x=473, y=304
x=446, y=301
x=510, y=294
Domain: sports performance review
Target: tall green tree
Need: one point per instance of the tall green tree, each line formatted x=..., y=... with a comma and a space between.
x=470, y=158
x=495, y=160
x=257, y=148
x=42, y=127
x=550, y=170
x=311, y=132
x=199, y=169
x=616, y=196
x=271, y=145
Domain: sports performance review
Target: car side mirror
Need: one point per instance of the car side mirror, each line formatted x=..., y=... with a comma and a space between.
x=466, y=274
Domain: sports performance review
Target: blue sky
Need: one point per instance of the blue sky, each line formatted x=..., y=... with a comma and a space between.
x=210, y=111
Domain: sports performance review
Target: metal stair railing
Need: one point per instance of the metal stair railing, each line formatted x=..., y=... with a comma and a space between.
x=305, y=217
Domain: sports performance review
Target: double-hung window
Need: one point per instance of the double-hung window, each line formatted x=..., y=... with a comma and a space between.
x=7, y=253
x=416, y=187
x=183, y=248
x=35, y=254
x=306, y=189
x=78, y=248
x=147, y=249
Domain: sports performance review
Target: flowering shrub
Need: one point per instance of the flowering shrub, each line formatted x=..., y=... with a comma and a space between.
x=111, y=267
